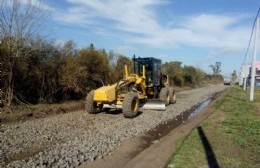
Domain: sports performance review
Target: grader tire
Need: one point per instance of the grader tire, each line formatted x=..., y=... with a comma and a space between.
x=90, y=105
x=130, y=105
x=172, y=95
x=174, y=100
x=164, y=96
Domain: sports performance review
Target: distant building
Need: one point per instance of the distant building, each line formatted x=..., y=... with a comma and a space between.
x=245, y=74
x=257, y=73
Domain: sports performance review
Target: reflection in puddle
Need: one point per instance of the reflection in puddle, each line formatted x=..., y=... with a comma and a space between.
x=199, y=108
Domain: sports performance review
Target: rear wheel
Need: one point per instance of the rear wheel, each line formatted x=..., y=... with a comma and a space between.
x=172, y=95
x=90, y=104
x=130, y=105
x=164, y=96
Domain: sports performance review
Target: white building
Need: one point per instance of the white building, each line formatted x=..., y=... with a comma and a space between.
x=245, y=74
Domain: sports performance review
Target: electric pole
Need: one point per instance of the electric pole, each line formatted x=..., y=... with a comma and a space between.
x=245, y=75
x=253, y=62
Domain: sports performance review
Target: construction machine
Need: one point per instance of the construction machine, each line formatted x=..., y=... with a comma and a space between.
x=146, y=88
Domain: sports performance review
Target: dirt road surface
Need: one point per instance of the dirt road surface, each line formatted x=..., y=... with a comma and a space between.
x=78, y=138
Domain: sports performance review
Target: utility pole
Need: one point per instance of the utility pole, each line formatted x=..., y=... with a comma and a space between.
x=253, y=62
x=245, y=74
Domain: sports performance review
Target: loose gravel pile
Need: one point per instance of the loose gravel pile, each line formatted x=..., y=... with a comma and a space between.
x=68, y=140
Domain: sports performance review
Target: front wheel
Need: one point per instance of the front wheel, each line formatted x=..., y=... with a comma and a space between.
x=164, y=96
x=130, y=105
x=90, y=104
x=172, y=95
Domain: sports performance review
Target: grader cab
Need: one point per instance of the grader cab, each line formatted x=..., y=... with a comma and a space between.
x=146, y=88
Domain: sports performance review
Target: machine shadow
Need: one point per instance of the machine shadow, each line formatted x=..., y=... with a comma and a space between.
x=210, y=155
x=112, y=111
x=118, y=111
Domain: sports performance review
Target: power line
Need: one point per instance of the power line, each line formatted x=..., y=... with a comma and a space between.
x=251, y=35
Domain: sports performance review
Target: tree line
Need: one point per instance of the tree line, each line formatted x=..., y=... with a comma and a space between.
x=53, y=74
x=190, y=75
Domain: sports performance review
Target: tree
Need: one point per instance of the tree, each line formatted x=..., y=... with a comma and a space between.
x=192, y=75
x=68, y=49
x=19, y=25
x=175, y=72
x=120, y=67
x=234, y=76
x=85, y=71
x=216, y=68
x=213, y=68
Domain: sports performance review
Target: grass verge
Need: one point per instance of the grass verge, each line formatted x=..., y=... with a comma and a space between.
x=230, y=137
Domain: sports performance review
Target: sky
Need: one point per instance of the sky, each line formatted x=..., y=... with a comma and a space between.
x=195, y=32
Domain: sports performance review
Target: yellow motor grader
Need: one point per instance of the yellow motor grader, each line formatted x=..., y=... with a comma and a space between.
x=147, y=88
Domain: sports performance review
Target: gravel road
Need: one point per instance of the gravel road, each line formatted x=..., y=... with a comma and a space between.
x=67, y=140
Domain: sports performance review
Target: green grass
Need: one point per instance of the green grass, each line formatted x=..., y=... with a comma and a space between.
x=233, y=132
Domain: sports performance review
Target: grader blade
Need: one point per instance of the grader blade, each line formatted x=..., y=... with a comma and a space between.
x=107, y=106
x=153, y=104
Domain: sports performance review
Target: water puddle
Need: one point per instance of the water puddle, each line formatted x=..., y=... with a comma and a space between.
x=199, y=108
x=164, y=128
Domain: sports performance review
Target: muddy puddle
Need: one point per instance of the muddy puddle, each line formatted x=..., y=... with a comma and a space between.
x=199, y=108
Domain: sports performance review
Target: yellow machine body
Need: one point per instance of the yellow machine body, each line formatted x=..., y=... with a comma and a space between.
x=147, y=88
x=105, y=94
x=109, y=94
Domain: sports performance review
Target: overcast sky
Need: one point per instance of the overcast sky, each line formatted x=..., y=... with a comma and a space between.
x=195, y=32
